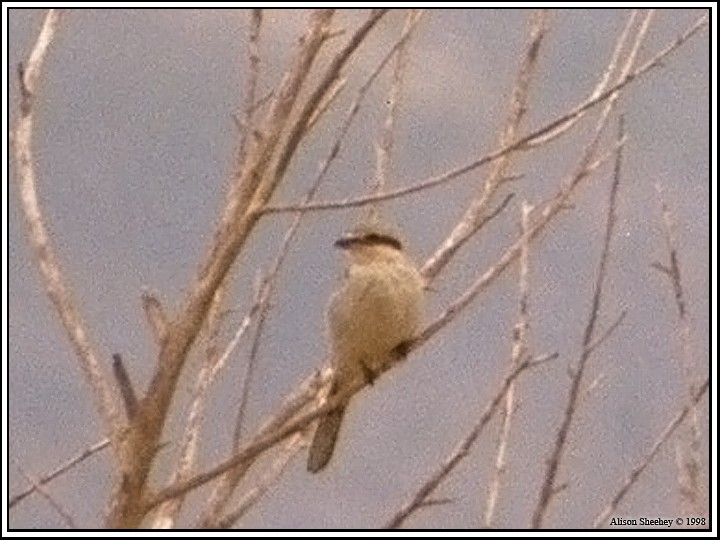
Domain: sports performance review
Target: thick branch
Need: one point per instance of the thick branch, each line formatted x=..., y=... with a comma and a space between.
x=141, y=442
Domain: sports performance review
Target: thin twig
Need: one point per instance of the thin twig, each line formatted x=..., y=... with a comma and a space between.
x=251, y=83
x=60, y=470
x=548, y=489
x=324, y=87
x=608, y=331
x=519, y=352
x=289, y=409
x=165, y=516
x=550, y=210
x=463, y=448
x=473, y=218
x=385, y=148
x=277, y=430
x=332, y=96
x=600, y=87
x=521, y=144
x=688, y=459
x=262, y=306
x=637, y=471
x=223, y=490
x=270, y=477
x=42, y=490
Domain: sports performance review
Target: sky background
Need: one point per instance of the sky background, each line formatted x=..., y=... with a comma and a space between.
x=135, y=141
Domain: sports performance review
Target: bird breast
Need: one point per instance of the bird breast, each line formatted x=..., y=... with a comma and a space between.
x=378, y=307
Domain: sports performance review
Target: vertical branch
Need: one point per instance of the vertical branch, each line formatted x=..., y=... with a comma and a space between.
x=688, y=460
x=166, y=514
x=384, y=150
x=251, y=84
x=214, y=362
x=56, y=283
x=261, y=306
x=519, y=352
x=549, y=486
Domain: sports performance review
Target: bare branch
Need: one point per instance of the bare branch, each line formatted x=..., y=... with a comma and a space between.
x=602, y=83
x=550, y=210
x=521, y=144
x=608, y=332
x=251, y=83
x=62, y=469
x=316, y=98
x=549, y=485
x=688, y=459
x=637, y=471
x=165, y=516
x=463, y=448
x=518, y=106
x=261, y=306
x=673, y=269
x=258, y=180
x=126, y=388
x=269, y=479
x=385, y=149
x=519, y=352
x=284, y=424
x=67, y=517
x=56, y=283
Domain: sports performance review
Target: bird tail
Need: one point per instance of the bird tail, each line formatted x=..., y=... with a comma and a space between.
x=323, y=443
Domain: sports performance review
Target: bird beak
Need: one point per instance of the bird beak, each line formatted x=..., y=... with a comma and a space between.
x=346, y=241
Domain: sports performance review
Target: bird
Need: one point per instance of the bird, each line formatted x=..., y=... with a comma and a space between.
x=371, y=319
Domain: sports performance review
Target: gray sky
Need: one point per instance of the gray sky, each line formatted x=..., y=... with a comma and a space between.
x=135, y=141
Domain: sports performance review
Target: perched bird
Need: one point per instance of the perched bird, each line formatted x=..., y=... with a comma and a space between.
x=371, y=319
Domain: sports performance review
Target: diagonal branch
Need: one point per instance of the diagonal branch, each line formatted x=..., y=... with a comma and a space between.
x=468, y=225
x=638, y=470
x=253, y=187
x=59, y=508
x=59, y=471
x=520, y=144
x=463, y=448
